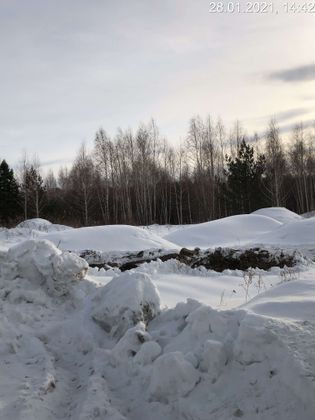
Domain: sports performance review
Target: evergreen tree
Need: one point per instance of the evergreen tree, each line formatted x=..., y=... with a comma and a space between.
x=244, y=174
x=9, y=193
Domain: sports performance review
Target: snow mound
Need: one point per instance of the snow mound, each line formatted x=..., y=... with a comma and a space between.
x=126, y=300
x=43, y=265
x=281, y=214
x=229, y=363
x=37, y=224
x=309, y=214
x=300, y=232
x=108, y=238
x=172, y=377
x=229, y=231
x=290, y=300
x=129, y=345
x=33, y=227
x=40, y=225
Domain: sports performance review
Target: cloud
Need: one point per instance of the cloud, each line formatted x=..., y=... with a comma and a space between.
x=291, y=113
x=288, y=128
x=55, y=162
x=283, y=116
x=295, y=74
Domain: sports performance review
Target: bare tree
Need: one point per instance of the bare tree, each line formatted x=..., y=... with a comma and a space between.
x=276, y=164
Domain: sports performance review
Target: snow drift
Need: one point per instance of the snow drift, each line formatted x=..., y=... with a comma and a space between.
x=298, y=233
x=229, y=231
x=41, y=225
x=128, y=299
x=112, y=352
x=281, y=214
x=189, y=362
x=108, y=238
x=43, y=265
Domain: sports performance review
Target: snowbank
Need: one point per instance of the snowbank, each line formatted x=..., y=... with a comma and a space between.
x=108, y=238
x=292, y=300
x=36, y=223
x=227, y=363
x=281, y=214
x=43, y=265
x=297, y=233
x=172, y=377
x=41, y=225
x=126, y=300
x=230, y=231
x=189, y=362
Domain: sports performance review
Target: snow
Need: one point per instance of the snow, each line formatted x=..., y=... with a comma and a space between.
x=249, y=229
x=172, y=377
x=125, y=301
x=44, y=265
x=108, y=238
x=281, y=214
x=176, y=283
x=162, y=341
x=297, y=233
x=36, y=223
x=229, y=231
x=41, y=225
x=309, y=214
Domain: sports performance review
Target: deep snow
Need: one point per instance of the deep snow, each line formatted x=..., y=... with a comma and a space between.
x=229, y=231
x=160, y=342
x=281, y=214
x=108, y=238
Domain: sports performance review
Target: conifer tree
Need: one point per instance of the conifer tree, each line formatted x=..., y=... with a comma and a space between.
x=9, y=193
x=244, y=176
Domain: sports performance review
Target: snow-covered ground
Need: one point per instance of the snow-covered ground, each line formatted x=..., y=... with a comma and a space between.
x=281, y=214
x=162, y=341
x=108, y=238
x=235, y=230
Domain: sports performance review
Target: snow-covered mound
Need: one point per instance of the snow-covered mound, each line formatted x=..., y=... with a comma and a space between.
x=125, y=301
x=228, y=363
x=281, y=214
x=108, y=238
x=229, y=231
x=189, y=362
x=41, y=225
x=36, y=223
x=45, y=266
x=163, y=230
x=300, y=232
x=309, y=214
x=289, y=300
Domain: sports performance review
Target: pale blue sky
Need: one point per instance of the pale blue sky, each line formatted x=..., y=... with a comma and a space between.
x=69, y=67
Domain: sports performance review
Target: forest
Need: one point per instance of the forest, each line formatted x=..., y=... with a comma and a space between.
x=139, y=178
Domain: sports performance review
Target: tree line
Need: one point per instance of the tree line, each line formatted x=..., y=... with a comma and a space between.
x=139, y=178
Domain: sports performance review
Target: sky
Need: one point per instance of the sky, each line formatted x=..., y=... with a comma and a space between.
x=71, y=67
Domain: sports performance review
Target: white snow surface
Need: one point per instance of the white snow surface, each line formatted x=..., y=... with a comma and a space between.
x=229, y=231
x=160, y=342
x=281, y=214
x=189, y=362
x=299, y=232
x=41, y=225
x=44, y=265
x=247, y=230
x=130, y=299
x=108, y=238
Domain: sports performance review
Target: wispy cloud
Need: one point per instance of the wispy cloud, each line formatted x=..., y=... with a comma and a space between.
x=283, y=116
x=55, y=162
x=291, y=113
x=284, y=129
x=295, y=74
